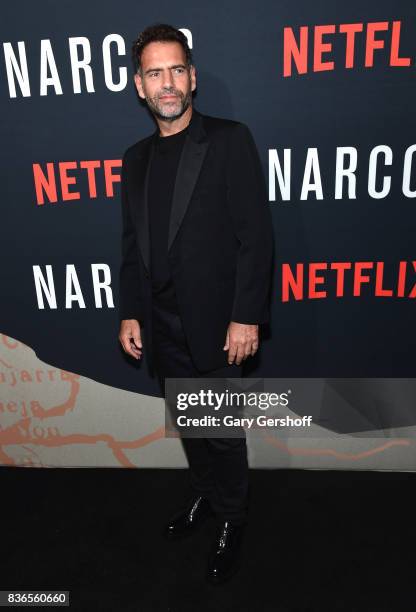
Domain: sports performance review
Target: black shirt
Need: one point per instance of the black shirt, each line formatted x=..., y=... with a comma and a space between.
x=161, y=184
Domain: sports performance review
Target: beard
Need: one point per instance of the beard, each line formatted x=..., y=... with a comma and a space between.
x=169, y=111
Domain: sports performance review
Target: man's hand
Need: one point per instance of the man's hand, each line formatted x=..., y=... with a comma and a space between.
x=130, y=338
x=242, y=341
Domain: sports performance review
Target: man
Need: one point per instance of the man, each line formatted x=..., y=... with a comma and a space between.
x=196, y=263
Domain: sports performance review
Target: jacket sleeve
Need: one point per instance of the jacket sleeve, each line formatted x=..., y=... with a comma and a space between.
x=252, y=222
x=130, y=305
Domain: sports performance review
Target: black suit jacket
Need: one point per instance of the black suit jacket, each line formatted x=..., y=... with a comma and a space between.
x=220, y=236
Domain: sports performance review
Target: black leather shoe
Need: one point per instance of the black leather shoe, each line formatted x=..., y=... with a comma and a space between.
x=225, y=555
x=186, y=521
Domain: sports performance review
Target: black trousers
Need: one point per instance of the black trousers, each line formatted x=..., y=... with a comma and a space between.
x=218, y=467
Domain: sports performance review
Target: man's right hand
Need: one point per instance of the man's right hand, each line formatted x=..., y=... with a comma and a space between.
x=130, y=338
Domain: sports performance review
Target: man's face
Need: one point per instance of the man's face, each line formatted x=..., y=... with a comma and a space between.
x=165, y=83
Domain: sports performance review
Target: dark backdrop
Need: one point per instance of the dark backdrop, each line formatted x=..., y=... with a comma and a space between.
x=238, y=51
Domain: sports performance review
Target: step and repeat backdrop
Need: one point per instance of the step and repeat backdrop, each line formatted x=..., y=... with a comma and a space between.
x=328, y=92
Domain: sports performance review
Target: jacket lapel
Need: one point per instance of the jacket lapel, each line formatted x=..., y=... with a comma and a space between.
x=193, y=153
x=190, y=163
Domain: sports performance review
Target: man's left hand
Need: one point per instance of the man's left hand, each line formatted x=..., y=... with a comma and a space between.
x=242, y=341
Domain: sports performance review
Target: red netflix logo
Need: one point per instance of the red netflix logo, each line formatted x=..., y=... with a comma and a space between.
x=340, y=278
x=48, y=178
x=295, y=47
